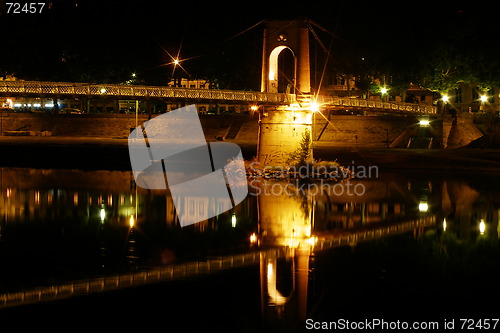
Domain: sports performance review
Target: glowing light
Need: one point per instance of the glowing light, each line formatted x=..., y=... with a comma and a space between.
x=131, y=221
x=482, y=226
x=103, y=90
x=254, y=108
x=445, y=98
x=273, y=61
x=423, y=207
x=314, y=107
x=269, y=270
x=253, y=238
x=233, y=220
x=176, y=62
x=484, y=98
x=383, y=90
x=444, y=224
x=271, y=75
x=17, y=105
x=134, y=75
x=103, y=214
x=424, y=122
x=312, y=240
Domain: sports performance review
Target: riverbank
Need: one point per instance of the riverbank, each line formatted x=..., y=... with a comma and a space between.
x=104, y=153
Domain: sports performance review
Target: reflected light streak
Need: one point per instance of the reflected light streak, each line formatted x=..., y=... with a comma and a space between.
x=103, y=214
x=131, y=221
x=312, y=240
x=482, y=227
x=423, y=207
x=275, y=296
x=253, y=238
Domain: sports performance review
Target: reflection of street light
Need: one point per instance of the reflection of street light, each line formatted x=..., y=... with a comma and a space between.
x=253, y=238
x=482, y=226
x=103, y=215
x=423, y=207
x=233, y=220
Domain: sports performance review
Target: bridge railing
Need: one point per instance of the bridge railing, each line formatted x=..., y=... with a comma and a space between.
x=137, y=278
x=128, y=91
x=373, y=104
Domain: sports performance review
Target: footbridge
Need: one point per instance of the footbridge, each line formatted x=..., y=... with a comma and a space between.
x=69, y=90
x=138, y=92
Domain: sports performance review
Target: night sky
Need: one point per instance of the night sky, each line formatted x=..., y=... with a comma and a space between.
x=107, y=41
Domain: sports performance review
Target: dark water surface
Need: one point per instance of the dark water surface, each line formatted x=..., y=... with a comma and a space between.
x=408, y=246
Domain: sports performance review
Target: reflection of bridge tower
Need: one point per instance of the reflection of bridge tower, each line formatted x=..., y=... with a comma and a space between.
x=281, y=35
x=284, y=286
x=285, y=221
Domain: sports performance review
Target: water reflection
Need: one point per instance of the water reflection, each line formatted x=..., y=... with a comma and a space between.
x=300, y=223
x=99, y=221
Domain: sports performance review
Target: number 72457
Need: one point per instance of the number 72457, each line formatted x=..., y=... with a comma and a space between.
x=26, y=8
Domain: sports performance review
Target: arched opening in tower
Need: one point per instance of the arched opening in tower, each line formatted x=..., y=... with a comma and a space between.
x=286, y=71
x=282, y=70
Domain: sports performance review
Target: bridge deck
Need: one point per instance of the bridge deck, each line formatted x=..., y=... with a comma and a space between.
x=60, y=89
x=374, y=105
x=72, y=89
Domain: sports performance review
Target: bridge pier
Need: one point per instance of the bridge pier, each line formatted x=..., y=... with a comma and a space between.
x=282, y=132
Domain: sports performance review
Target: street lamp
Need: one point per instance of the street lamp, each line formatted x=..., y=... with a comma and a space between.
x=314, y=107
x=383, y=93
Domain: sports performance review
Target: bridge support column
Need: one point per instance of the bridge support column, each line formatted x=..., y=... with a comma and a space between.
x=281, y=133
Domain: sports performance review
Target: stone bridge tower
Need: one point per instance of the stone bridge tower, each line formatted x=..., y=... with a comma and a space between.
x=281, y=35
